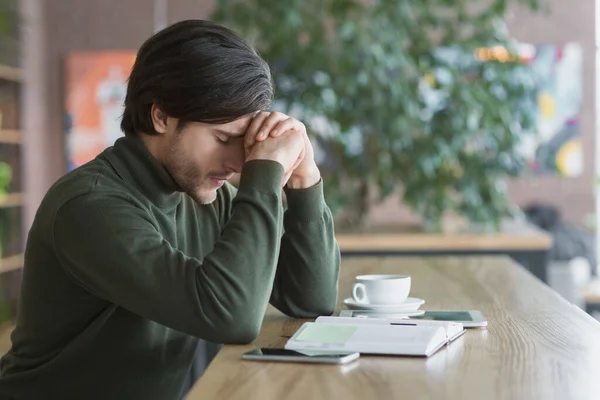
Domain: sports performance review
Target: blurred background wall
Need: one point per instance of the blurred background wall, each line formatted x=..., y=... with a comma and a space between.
x=125, y=24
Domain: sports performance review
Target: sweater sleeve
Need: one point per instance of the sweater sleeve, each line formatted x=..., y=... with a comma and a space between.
x=110, y=246
x=306, y=283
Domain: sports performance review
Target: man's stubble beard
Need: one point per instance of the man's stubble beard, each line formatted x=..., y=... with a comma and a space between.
x=187, y=178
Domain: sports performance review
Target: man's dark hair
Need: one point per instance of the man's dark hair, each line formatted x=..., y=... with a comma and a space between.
x=198, y=71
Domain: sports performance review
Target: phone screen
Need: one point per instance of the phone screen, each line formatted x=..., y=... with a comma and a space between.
x=296, y=353
x=454, y=316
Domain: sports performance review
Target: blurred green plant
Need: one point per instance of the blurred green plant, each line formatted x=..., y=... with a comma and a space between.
x=9, y=17
x=5, y=178
x=9, y=46
x=394, y=98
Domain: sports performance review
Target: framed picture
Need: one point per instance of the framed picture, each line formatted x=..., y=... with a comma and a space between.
x=96, y=85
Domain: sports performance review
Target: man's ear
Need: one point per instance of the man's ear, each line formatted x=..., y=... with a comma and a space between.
x=160, y=120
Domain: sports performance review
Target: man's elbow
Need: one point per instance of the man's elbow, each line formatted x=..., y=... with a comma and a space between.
x=242, y=329
x=327, y=303
x=243, y=335
x=325, y=308
x=320, y=311
x=313, y=308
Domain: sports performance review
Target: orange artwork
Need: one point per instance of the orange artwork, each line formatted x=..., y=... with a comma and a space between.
x=96, y=87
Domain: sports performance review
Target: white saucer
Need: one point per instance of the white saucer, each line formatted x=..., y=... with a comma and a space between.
x=380, y=314
x=411, y=304
x=386, y=314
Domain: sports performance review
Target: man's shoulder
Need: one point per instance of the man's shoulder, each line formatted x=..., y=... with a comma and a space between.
x=93, y=179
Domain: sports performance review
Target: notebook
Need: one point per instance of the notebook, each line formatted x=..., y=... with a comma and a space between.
x=375, y=336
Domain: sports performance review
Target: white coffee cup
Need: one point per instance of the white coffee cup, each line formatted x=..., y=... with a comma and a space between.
x=381, y=289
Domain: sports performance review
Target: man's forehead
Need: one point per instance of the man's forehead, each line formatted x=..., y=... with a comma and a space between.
x=244, y=122
x=237, y=127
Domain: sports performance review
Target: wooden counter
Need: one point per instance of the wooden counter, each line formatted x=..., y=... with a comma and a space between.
x=537, y=345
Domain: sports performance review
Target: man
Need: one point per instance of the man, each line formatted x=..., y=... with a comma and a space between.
x=137, y=254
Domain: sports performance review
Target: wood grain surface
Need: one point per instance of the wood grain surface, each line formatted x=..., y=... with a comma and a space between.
x=537, y=345
x=514, y=235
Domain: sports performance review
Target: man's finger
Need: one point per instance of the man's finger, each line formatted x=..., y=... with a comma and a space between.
x=269, y=124
x=287, y=124
x=288, y=174
x=299, y=160
x=252, y=130
x=286, y=178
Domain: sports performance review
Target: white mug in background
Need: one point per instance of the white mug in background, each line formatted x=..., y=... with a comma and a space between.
x=381, y=289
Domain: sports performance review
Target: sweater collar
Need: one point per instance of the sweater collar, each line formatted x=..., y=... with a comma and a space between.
x=134, y=163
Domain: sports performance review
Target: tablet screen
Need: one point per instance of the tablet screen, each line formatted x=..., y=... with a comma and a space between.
x=455, y=316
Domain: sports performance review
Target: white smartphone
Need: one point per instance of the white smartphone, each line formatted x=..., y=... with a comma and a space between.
x=306, y=356
x=469, y=318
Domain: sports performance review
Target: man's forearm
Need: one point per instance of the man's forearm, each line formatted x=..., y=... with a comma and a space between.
x=221, y=298
x=306, y=283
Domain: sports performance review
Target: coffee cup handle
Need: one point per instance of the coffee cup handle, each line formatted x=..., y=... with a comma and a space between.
x=359, y=293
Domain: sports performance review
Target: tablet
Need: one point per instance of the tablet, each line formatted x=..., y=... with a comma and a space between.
x=469, y=318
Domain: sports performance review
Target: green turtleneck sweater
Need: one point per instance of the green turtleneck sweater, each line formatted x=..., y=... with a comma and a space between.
x=123, y=274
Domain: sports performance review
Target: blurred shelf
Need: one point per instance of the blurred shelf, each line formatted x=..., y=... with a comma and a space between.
x=6, y=329
x=11, y=263
x=10, y=73
x=11, y=200
x=11, y=136
x=514, y=236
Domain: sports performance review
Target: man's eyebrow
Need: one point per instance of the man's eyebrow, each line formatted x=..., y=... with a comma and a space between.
x=232, y=135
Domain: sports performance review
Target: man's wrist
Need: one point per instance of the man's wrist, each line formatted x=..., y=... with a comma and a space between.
x=304, y=181
x=263, y=157
x=304, y=204
x=261, y=175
